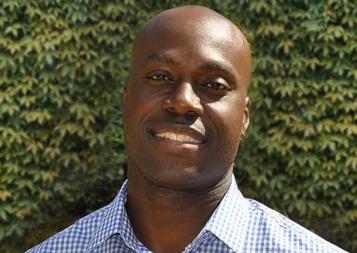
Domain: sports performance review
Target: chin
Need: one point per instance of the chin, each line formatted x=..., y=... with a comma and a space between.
x=184, y=178
x=173, y=177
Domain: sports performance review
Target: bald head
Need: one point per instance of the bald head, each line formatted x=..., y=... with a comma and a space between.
x=192, y=16
x=190, y=21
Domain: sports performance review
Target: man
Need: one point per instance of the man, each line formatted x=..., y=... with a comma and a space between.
x=185, y=108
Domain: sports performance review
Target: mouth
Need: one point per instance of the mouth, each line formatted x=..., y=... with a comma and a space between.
x=187, y=136
x=178, y=137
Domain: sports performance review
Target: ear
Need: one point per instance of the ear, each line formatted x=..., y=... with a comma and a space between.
x=246, y=116
x=123, y=99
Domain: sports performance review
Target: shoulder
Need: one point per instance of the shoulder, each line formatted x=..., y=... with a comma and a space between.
x=275, y=231
x=75, y=238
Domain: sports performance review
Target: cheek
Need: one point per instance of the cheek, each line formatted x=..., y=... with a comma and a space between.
x=227, y=116
x=138, y=105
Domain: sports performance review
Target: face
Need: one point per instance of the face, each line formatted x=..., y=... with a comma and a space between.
x=185, y=104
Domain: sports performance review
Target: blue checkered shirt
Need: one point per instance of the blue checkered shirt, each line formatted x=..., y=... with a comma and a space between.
x=237, y=225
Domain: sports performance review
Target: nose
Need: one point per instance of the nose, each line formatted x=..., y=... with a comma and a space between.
x=184, y=101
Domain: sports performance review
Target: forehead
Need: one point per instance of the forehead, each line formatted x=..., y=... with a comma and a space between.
x=188, y=35
x=193, y=41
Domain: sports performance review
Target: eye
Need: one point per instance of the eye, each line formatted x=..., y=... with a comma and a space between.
x=216, y=86
x=159, y=76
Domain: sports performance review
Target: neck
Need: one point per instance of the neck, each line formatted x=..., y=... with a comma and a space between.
x=167, y=220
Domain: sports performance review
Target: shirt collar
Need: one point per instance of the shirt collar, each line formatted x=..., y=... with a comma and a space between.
x=116, y=221
x=229, y=222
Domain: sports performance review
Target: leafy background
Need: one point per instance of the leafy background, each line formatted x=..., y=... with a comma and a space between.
x=62, y=66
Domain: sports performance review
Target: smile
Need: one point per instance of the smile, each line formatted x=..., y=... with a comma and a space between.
x=178, y=137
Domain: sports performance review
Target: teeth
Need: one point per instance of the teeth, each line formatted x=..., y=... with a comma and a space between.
x=173, y=136
x=178, y=137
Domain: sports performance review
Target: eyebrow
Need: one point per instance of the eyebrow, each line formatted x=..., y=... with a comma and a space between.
x=220, y=66
x=212, y=65
x=161, y=57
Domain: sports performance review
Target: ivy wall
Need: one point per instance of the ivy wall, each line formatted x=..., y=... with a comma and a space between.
x=63, y=63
